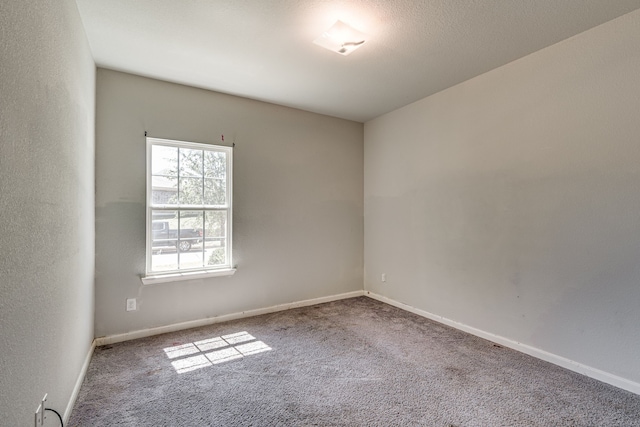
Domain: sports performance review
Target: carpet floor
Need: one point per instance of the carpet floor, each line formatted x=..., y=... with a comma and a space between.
x=355, y=362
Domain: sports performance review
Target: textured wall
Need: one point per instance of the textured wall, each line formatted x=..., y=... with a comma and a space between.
x=47, y=106
x=298, y=202
x=510, y=202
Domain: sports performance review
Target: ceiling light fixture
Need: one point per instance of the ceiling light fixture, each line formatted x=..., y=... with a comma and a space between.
x=341, y=38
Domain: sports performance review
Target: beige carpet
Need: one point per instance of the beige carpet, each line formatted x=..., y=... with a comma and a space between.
x=355, y=362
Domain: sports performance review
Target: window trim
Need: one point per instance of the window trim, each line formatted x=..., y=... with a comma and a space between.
x=192, y=273
x=186, y=275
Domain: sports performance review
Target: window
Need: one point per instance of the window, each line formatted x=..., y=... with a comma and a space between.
x=189, y=189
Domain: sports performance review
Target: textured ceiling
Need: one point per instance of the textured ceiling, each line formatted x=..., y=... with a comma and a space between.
x=262, y=49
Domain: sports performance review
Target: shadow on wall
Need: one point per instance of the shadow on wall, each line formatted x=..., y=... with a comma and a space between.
x=595, y=265
x=120, y=240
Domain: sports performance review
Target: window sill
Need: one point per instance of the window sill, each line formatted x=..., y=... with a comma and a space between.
x=178, y=277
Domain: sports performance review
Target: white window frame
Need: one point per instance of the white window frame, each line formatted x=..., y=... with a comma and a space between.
x=193, y=273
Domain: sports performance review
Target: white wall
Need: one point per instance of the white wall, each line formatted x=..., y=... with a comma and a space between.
x=298, y=195
x=511, y=202
x=47, y=110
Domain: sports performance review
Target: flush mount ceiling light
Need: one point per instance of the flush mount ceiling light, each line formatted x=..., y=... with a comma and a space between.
x=341, y=38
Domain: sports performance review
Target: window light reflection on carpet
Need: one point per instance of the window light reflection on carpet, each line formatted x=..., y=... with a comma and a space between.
x=226, y=348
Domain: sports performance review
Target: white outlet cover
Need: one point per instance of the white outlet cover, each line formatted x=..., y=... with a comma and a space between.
x=39, y=416
x=131, y=304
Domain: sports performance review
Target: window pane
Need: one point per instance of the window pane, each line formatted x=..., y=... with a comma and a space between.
x=164, y=160
x=163, y=240
x=215, y=192
x=190, y=162
x=189, y=242
x=189, y=178
x=216, y=238
x=191, y=191
x=215, y=164
x=164, y=190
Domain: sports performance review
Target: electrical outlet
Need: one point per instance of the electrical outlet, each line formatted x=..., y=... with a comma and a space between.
x=384, y=277
x=39, y=416
x=43, y=414
x=131, y=304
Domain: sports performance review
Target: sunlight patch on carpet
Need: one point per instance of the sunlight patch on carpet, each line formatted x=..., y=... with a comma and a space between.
x=198, y=354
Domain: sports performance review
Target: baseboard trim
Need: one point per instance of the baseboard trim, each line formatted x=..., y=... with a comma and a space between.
x=112, y=339
x=78, y=385
x=572, y=365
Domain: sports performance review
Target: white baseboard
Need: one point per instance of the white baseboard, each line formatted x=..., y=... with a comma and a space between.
x=78, y=385
x=572, y=365
x=112, y=339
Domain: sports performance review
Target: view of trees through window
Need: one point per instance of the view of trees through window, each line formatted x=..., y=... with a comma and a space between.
x=190, y=207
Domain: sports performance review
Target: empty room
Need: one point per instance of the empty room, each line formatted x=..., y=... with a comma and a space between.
x=320, y=213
